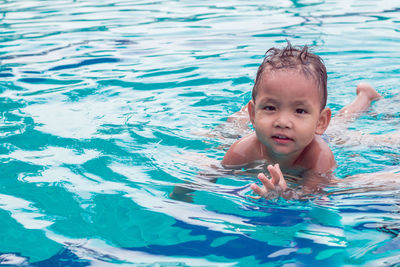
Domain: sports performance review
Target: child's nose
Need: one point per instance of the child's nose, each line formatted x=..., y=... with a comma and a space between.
x=283, y=121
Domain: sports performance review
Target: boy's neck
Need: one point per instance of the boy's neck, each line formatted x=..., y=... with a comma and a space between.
x=284, y=161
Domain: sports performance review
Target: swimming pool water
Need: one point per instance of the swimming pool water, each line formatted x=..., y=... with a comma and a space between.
x=106, y=106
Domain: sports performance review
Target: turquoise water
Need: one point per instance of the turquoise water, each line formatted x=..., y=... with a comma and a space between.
x=106, y=105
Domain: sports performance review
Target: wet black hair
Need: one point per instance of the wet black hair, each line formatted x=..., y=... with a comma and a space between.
x=294, y=57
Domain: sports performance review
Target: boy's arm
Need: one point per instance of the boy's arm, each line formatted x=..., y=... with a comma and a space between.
x=183, y=192
x=319, y=172
x=210, y=169
x=242, y=152
x=318, y=157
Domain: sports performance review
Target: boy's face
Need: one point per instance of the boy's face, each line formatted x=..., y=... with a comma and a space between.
x=287, y=112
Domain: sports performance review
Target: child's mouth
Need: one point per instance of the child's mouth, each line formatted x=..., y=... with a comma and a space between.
x=281, y=139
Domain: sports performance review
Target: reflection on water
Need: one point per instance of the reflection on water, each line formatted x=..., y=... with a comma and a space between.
x=105, y=107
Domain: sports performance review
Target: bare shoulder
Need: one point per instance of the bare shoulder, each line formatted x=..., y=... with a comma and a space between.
x=244, y=151
x=319, y=157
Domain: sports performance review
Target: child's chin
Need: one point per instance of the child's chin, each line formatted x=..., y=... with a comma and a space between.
x=283, y=152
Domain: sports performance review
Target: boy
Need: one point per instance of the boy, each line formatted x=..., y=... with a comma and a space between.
x=289, y=116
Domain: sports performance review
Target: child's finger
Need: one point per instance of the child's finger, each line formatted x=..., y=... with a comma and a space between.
x=265, y=181
x=259, y=191
x=276, y=174
x=282, y=181
x=272, y=172
x=277, y=177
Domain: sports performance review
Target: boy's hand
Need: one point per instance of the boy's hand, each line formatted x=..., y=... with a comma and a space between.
x=272, y=188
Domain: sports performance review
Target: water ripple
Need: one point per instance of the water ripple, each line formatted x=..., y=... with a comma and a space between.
x=106, y=106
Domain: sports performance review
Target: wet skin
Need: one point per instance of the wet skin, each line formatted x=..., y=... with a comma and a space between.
x=286, y=116
x=288, y=122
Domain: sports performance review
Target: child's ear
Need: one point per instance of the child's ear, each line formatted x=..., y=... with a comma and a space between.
x=323, y=122
x=251, y=110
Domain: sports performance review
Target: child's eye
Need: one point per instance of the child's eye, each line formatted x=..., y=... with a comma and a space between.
x=301, y=111
x=269, y=108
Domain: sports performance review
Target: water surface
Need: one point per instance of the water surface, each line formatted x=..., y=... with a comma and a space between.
x=104, y=109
